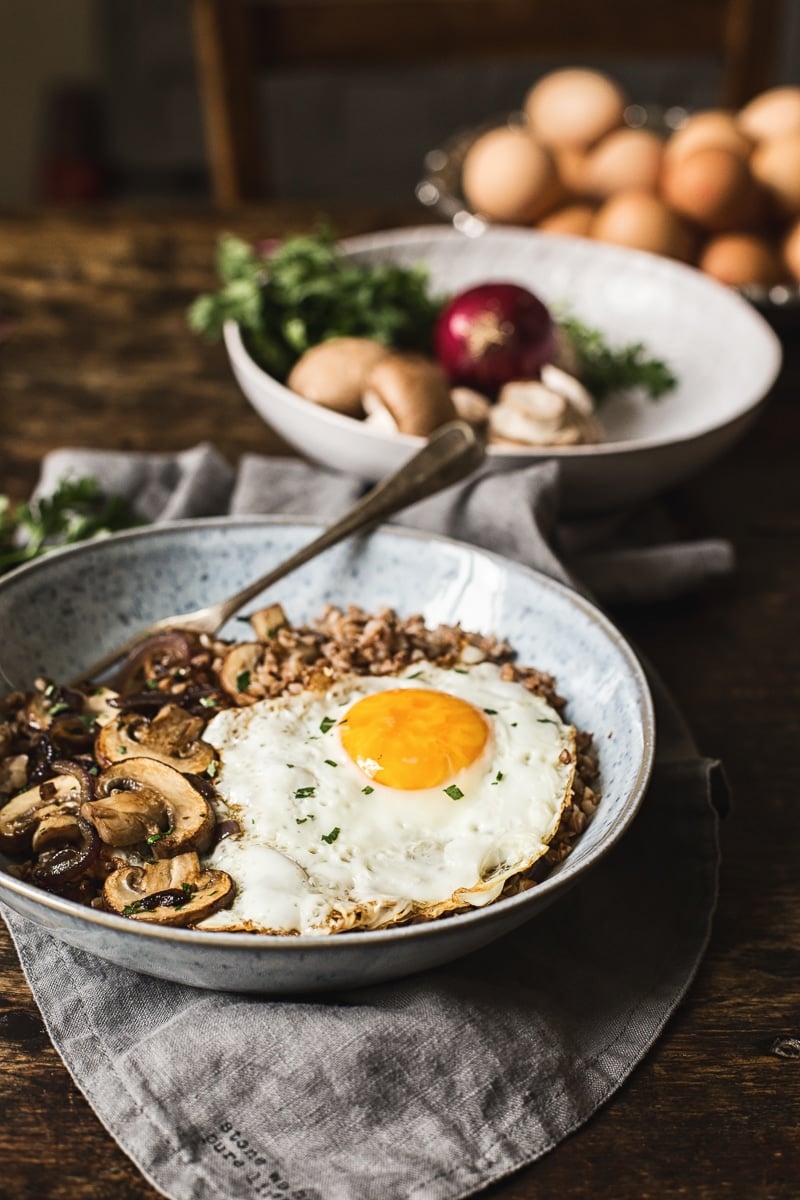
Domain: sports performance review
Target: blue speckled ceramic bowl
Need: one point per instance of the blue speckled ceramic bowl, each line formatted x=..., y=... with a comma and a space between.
x=60, y=613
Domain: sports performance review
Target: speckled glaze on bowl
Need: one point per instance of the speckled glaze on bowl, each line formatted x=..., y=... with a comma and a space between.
x=724, y=354
x=65, y=610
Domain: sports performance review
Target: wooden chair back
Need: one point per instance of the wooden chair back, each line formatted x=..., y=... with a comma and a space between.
x=237, y=39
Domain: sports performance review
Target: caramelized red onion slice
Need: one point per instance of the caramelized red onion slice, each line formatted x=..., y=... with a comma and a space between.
x=80, y=773
x=65, y=864
x=156, y=657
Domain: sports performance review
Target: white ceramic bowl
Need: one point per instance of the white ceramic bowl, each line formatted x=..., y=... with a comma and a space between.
x=74, y=605
x=723, y=352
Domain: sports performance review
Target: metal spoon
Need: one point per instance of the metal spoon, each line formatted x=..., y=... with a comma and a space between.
x=450, y=454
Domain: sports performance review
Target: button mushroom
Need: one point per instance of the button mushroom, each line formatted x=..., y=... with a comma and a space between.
x=171, y=737
x=173, y=891
x=143, y=800
x=413, y=390
x=334, y=373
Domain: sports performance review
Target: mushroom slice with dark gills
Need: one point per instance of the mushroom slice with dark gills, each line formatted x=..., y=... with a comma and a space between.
x=142, y=800
x=21, y=816
x=172, y=891
x=172, y=736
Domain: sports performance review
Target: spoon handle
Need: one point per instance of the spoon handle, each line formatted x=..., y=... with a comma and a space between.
x=451, y=453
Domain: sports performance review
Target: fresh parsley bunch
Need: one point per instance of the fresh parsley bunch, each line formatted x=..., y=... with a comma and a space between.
x=604, y=369
x=78, y=509
x=303, y=291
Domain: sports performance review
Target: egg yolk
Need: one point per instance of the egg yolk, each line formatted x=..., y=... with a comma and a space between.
x=413, y=738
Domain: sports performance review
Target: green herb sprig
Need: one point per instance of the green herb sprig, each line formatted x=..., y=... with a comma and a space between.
x=304, y=291
x=604, y=369
x=77, y=509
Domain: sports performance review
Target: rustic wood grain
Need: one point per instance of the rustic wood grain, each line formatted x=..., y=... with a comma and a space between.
x=100, y=356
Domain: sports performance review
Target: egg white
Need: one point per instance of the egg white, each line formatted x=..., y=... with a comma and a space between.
x=324, y=848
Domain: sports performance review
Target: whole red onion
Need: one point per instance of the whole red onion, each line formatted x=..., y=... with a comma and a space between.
x=492, y=333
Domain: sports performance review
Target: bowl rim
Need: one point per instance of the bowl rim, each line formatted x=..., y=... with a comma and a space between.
x=386, y=239
x=300, y=943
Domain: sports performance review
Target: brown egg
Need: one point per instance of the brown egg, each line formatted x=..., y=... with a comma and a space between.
x=624, y=160
x=572, y=218
x=508, y=177
x=741, y=258
x=643, y=221
x=714, y=187
x=774, y=113
x=571, y=167
x=713, y=127
x=573, y=107
x=791, y=251
x=776, y=166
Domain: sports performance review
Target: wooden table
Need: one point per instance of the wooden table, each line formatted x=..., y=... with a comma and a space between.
x=101, y=357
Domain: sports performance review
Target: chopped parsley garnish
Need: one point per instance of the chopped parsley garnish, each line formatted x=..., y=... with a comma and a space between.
x=156, y=837
x=454, y=792
x=290, y=765
x=60, y=707
x=243, y=681
x=332, y=836
x=48, y=691
x=368, y=790
x=122, y=749
x=416, y=675
x=302, y=820
x=331, y=763
x=304, y=792
x=490, y=712
x=545, y=721
x=212, y=768
x=460, y=671
x=498, y=777
x=327, y=723
x=150, y=685
x=209, y=701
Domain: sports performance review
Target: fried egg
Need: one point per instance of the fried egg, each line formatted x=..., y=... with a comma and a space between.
x=386, y=798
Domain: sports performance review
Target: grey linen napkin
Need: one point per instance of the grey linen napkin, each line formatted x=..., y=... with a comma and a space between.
x=436, y=1086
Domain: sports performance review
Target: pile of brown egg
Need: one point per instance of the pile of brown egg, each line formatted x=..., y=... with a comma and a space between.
x=722, y=191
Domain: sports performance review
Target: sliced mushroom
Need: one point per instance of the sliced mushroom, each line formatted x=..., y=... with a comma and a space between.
x=171, y=737
x=413, y=389
x=13, y=774
x=99, y=704
x=267, y=621
x=174, y=891
x=237, y=669
x=22, y=814
x=145, y=800
x=572, y=389
x=530, y=413
x=334, y=373
x=471, y=406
